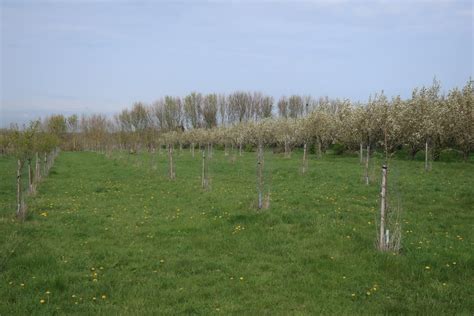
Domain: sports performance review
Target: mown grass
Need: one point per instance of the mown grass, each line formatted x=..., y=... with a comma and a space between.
x=119, y=237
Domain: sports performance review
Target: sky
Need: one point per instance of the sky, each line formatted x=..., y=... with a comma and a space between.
x=102, y=56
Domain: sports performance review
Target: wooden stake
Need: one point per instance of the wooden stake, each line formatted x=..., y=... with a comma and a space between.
x=426, y=155
x=37, y=169
x=260, y=175
x=203, y=176
x=367, y=165
x=304, y=158
x=383, y=206
x=30, y=177
x=170, y=161
x=19, y=210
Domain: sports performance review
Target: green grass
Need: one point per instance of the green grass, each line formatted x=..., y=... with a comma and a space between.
x=168, y=247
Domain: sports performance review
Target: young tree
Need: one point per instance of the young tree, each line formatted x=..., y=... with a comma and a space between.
x=458, y=119
x=283, y=107
x=193, y=109
x=209, y=111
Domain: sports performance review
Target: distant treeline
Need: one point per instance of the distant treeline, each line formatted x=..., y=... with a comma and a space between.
x=429, y=119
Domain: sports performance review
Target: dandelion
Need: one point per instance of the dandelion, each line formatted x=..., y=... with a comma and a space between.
x=45, y=214
x=427, y=267
x=241, y=278
x=368, y=293
x=353, y=295
x=48, y=292
x=104, y=297
x=42, y=301
x=22, y=284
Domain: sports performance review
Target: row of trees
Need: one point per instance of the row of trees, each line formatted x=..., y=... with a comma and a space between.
x=428, y=121
x=31, y=145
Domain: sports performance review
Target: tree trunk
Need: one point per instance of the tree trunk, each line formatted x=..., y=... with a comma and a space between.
x=37, y=169
x=232, y=153
x=19, y=208
x=30, y=177
x=304, y=158
x=361, y=153
x=240, y=149
x=226, y=153
x=204, y=177
x=260, y=175
x=383, y=242
x=170, y=161
x=192, y=149
x=45, y=162
x=465, y=155
x=367, y=165
x=319, y=148
x=426, y=155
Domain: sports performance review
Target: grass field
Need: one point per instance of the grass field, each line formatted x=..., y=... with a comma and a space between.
x=116, y=236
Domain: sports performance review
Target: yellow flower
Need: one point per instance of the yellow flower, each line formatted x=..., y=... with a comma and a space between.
x=353, y=295
x=44, y=214
x=241, y=278
x=427, y=267
x=104, y=297
x=48, y=292
x=42, y=301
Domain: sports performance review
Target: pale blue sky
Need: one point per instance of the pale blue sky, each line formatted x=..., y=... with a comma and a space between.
x=101, y=56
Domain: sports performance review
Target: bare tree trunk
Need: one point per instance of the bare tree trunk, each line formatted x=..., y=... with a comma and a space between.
x=426, y=155
x=203, y=181
x=30, y=177
x=19, y=200
x=211, y=151
x=260, y=175
x=240, y=149
x=383, y=208
x=287, y=154
x=232, y=153
x=192, y=149
x=226, y=152
x=361, y=153
x=367, y=165
x=170, y=161
x=304, y=158
x=204, y=177
x=45, y=162
x=319, y=148
x=37, y=169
